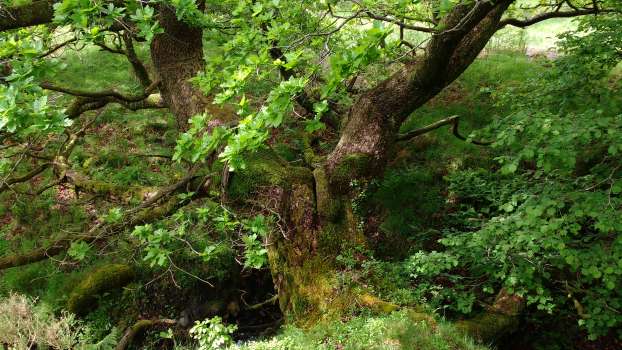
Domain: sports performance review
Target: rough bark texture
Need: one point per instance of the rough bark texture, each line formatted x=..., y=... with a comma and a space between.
x=177, y=56
x=37, y=12
x=374, y=121
x=313, y=230
x=317, y=215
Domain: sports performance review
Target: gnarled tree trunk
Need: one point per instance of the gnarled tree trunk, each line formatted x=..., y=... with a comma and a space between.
x=315, y=206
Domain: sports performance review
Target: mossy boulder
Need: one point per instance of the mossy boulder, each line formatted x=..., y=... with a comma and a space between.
x=107, y=278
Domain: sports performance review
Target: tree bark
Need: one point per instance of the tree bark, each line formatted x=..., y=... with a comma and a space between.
x=36, y=12
x=315, y=209
x=374, y=120
x=177, y=56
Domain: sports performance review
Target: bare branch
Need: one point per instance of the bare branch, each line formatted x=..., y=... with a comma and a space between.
x=400, y=23
x=19, y=179
x=453, y=120
x=523, y=23
x=58, y=47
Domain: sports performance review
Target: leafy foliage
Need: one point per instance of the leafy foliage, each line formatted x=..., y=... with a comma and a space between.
x=212, y=333
x=550, y=231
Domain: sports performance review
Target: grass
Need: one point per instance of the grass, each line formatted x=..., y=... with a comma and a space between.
x=391, y=332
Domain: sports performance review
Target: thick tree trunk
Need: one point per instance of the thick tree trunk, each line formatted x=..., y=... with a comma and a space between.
x=374, y=120
x=315, y=208
x=313, y=229
x=177, y=56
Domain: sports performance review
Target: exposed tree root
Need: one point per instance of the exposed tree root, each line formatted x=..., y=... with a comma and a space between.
x=139, y=327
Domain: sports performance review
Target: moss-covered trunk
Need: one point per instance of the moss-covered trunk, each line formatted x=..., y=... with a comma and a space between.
x=313, y=228
x=314, y=207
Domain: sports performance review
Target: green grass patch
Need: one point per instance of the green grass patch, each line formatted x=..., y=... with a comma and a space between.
x=398, y=330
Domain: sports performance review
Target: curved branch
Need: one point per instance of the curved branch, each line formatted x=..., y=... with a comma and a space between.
x=139, y=68
x=19, y=179
x=138, y=327
x=111, y=93
x=453, y=120
x=58, y=47
x=523, y=23
x=85, y=104
x=399, y=23
x=37, y=12
x=428, y=128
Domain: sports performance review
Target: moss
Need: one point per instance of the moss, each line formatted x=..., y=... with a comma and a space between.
x=328, y=207
x=352, y=166
x=83, y=298
x=501, y=319
x=488, y=327
x=376, y=304
x=309, y=154
x=265, y=168
x=104, y=188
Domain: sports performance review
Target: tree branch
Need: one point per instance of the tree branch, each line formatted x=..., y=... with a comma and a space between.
x=113, y=93
x=85, y=104
x=523, y=23
x=139, y=327
x=57, y=47
x=428, y=128
x=139, y=68
x=453, y=120
x=401, y=24
x=34, y=13
x=97, y=232
x=19, y=179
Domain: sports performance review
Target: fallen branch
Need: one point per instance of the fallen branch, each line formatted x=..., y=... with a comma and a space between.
x=272, y=300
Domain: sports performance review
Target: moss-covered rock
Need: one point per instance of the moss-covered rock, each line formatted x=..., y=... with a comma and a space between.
x=83, y=298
